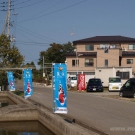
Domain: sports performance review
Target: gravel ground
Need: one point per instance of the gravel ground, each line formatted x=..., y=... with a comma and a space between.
x=121, y=98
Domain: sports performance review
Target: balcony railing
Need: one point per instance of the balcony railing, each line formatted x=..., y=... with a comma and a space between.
x=110, y=47
x=90, y=64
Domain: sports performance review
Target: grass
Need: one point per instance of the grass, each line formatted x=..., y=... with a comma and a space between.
x=75, y=88
x=19, y=93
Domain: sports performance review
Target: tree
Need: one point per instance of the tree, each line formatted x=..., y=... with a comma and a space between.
x=55, y=53
x=10, y=56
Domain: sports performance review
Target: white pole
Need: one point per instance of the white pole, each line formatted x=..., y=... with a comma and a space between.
x=76, y=62
x=43, y=67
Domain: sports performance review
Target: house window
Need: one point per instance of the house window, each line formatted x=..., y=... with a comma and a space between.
x=122, y=75
x=89, y=47
x=131, y=47
x=106, y=63
x=74, y=63
x=89, y=62
x=129, y=61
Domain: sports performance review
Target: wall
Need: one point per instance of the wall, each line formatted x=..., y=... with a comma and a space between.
x=105, y=73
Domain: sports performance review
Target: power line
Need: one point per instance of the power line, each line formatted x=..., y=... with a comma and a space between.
x=22, y=2
x=36, y=34
x=31, y=42
x=46, y=9
x=30, y=5
x=54, y=11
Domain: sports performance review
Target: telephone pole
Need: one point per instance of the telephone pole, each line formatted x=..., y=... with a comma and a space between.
x=7, y=22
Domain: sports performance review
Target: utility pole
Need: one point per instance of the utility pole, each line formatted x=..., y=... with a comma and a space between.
x=7, y=22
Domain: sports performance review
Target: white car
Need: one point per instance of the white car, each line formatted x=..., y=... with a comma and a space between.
x=114, y=83
x=72, y=82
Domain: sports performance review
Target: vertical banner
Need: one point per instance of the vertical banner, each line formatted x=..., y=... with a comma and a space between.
x=81, y=82
x=59, y=88
x=28, y=87
x=11, y=83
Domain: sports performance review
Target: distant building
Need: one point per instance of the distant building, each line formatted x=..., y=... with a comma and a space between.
x=102, y=52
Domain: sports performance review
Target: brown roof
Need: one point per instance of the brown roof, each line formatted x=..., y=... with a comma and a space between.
x=106, y=39
x=84, y=54
x=124, y=53
x=127, y=53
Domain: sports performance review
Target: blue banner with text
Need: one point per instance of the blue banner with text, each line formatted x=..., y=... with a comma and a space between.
x=11, y=82
x=28, y=87
x=59, y=88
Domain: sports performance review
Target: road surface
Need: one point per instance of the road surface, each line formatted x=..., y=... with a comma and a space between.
x=108, y=115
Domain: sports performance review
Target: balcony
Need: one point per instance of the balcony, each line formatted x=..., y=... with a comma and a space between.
x=110, y=47
x=90, y=64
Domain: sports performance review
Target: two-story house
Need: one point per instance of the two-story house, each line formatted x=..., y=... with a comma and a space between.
x=102, y=52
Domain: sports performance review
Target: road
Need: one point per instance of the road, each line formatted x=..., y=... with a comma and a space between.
x=108, y=115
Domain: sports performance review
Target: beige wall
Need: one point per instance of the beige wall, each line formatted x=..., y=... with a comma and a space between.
x=124, y=63
x=81, y=47
x=112, y=56
x=81, y=66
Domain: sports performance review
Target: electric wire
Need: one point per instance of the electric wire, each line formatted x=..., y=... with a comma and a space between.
x=36, y=34
x=46, y=9
x=54, y=11
x=30, y=4
x=22, y=2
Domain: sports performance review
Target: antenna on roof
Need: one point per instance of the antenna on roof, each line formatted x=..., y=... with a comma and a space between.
x=72, y=33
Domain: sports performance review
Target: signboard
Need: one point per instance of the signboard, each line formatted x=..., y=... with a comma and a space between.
x=11, y=83
x=81, y=82
x=28, y=87
x=59, y=88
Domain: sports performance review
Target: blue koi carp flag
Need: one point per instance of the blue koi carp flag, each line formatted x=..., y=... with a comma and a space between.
x=28, y=87
x=59, y=88
x=11, y=83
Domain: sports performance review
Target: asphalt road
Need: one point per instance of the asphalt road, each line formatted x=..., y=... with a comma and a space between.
x=108, y=115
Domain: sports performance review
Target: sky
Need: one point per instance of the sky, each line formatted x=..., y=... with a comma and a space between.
x=38, y=23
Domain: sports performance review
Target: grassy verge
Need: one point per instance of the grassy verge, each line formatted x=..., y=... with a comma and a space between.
x=75, y=88
x=19, y=93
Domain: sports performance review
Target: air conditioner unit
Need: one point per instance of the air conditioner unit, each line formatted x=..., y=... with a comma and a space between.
x=124, y=49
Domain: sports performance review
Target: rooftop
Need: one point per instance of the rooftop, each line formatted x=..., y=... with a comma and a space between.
x=106, y=39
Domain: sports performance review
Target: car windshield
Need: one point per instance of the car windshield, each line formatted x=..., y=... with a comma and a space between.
x=73, y=78
x=114, y=80
x=94, y=82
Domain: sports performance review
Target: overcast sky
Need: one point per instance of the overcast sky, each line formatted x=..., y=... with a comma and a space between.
x=39, y=23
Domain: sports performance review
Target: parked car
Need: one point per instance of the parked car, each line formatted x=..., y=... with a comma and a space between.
x=128, y=89
x=114, y=83
x=72, y=81
x=94, y=84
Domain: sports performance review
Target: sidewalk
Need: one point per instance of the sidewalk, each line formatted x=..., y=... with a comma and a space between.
x=35, y=84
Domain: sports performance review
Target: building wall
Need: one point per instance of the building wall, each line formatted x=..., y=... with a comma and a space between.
x=81, y=66
x=81, y=47
x=112, y=56
x=105, y=73
x=124, y=62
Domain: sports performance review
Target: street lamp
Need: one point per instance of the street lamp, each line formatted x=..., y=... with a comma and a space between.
x=78, y=61
x=77, y=55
